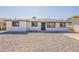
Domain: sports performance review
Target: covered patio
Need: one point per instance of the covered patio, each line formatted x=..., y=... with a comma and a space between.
x=3, y=26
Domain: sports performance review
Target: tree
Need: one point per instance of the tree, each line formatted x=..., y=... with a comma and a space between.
x=75, y=17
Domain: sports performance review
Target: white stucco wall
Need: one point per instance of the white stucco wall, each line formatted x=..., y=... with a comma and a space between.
x=27, y=26
x=31, y=28
x=57, y=28
x=22, y=26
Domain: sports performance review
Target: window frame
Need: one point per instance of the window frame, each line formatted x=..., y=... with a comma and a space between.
x=15, y=23
x=51, y=26
x=34, y=24
x=62, y=23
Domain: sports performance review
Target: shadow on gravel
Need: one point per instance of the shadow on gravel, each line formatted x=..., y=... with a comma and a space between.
x=50, y=32
x=13, y=33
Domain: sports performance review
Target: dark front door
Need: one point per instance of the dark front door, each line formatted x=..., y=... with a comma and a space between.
x=43, y=26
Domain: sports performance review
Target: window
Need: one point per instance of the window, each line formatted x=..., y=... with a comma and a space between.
x=15, y=23
x=34, y=24
x=51, y=24
x=62, y=24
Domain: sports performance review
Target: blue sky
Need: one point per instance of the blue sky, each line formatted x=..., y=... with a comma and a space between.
x=39, y=11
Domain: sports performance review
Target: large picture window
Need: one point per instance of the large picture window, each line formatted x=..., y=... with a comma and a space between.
x=15, y=23
x=51, y=25
x=62, y=24
x=34, y=24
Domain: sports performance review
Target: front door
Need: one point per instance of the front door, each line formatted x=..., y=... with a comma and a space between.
x=43, y=26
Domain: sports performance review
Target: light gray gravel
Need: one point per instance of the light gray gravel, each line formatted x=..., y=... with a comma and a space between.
x=38, y=42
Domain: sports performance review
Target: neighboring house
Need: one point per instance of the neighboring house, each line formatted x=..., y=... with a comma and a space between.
x=75, y=21
x=34, y=24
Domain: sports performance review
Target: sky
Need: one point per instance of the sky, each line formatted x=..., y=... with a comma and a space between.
x=56, y=12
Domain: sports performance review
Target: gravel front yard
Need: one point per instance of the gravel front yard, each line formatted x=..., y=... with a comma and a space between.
x=38, y=42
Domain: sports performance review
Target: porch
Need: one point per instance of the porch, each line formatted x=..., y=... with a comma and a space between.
x=3, y=26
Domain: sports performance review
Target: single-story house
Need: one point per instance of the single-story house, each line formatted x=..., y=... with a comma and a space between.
x=75, y=21
x=34, y=24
